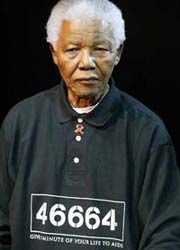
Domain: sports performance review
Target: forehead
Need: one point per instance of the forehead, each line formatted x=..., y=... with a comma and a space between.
x=87, y=30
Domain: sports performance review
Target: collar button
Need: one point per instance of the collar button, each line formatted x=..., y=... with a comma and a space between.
x=80, y=120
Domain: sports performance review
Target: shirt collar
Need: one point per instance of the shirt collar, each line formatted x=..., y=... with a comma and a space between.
x=98, y=117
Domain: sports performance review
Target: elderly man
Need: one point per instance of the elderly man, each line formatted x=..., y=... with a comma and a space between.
x=84, y=165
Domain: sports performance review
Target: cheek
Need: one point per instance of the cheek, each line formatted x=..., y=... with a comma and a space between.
x=106, y=65
x=66, y=67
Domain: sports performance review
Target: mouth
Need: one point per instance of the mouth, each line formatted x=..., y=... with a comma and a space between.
x=87, y=80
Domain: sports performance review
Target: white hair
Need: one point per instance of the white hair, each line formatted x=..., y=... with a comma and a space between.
x=75, y=9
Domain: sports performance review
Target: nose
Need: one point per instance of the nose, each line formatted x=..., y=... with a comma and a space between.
x=87, y=61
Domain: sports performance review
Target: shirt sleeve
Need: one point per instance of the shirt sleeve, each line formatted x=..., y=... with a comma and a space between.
x=159, y=206
x=5, y=193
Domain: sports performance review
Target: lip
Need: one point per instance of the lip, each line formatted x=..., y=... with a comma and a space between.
x=87, y=80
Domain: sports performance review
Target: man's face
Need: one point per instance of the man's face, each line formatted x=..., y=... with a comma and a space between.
x=86, y=55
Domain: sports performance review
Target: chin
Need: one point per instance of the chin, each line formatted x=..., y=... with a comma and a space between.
x=87, y=93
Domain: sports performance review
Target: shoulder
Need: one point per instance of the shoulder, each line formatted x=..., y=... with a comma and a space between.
x=136, y=109
x=37, y=101
x=30, y=109
x=143, y=121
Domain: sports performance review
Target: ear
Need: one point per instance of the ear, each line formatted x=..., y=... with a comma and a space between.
x=119, y=53
x=53, y=53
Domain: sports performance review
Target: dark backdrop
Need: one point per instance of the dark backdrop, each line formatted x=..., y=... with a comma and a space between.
x=149, y=69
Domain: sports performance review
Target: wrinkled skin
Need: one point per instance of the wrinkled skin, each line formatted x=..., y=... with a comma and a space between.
x=86, y=55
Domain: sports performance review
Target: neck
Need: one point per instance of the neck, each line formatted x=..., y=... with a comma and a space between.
x=82, y=102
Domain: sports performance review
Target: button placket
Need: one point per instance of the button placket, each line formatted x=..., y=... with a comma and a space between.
x=76, y=148
x=79, y=131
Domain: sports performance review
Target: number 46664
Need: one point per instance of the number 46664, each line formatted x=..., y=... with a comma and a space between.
x=76, y=217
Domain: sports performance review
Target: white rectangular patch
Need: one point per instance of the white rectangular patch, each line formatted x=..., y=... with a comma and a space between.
x=77, y=217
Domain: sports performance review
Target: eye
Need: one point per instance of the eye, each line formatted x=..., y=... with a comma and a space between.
x=101, y=49
x=75, y=49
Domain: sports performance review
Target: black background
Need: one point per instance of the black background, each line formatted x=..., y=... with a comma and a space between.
x=149, y=68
